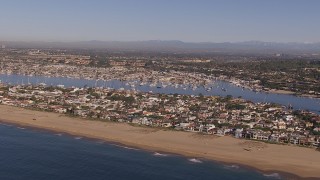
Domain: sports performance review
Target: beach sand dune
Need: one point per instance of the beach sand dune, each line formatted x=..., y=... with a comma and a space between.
x=304, y=162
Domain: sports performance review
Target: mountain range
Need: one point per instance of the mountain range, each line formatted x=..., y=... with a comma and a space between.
x=175, y=46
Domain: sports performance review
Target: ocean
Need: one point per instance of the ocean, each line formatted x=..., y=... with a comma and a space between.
x=32, y=154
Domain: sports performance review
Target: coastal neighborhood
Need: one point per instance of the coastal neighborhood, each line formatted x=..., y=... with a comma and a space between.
x=206, y=114
x=211, y=115
x=258, y=75
x=159, y=90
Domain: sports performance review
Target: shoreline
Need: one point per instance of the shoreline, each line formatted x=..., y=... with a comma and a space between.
x=225, y=150
x=275, y=91
x=228, y=165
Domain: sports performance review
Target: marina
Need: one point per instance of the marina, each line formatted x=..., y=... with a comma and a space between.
x=214, y=88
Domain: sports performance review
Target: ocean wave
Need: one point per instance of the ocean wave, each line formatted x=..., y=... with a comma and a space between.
x=125, y=147
x=273, y=175
x=130, y=148
x=59, y=134
x=78, y=138
x=159, y=154
x=194, y=160
x=233, y=166
x=21, y=128
x=4, y=124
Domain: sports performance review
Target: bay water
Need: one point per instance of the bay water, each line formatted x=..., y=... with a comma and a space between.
x=218, y=88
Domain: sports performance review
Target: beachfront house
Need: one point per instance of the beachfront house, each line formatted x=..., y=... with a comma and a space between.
x=238, y=133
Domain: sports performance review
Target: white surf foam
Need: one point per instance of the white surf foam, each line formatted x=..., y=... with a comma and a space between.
x=159, y=154
x=130, y=148
x=273, y=175
x=125, y=147
x=78, y=138
x=233, y=166
x=194, y=160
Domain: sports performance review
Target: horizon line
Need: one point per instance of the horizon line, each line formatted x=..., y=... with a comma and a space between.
x=155, y=40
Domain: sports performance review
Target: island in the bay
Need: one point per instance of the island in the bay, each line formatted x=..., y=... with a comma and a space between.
x=265, y=135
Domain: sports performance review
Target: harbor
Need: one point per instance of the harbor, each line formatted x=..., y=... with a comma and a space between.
x=212, y=88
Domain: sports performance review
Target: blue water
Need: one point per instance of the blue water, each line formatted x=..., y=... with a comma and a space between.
x=37, y=154
x=297, y=102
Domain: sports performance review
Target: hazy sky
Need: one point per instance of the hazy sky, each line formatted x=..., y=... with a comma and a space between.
x=186, y=20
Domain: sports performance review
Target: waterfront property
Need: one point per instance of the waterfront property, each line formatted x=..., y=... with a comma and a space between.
x=203, y=114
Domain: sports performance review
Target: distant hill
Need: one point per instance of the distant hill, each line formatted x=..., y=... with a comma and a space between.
x=176, y=46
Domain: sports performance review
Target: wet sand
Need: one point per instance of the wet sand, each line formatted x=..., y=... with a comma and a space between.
x=303, y=162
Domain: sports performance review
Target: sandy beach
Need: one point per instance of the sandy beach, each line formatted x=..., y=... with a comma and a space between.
x=303, y=162
x=292, y=93
x=281, y=91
